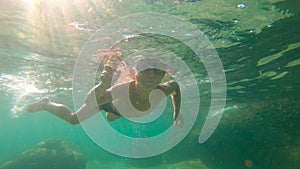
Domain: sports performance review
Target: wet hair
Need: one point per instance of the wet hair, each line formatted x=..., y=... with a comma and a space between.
x=132, y=66
x=149, y=63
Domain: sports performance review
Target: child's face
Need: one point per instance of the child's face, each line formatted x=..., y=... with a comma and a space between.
x=150, y=78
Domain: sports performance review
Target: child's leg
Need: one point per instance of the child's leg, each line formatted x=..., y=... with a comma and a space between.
x=59, y=110
x=85, y=111
x=62, y=111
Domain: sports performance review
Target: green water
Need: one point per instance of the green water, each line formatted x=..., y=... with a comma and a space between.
x=258, y=43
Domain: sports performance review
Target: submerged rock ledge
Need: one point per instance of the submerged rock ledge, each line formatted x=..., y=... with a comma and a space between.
x=51, y=154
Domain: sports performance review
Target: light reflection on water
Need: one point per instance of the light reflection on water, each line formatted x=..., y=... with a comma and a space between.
x=23, y=89
x=26, y=78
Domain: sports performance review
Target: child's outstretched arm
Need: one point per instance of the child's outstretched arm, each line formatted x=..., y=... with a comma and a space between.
x=172, y=88
x=99, y=91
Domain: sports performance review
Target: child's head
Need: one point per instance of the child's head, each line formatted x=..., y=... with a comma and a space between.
x=139, y=67
x=142, y=63
x=149, y=72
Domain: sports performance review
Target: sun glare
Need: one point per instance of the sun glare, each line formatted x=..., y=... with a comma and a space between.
x=21, y=87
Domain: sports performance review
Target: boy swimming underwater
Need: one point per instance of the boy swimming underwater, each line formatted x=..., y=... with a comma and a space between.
x=100, y=97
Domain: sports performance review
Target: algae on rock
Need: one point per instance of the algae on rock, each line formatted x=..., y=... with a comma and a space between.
x=51, y=154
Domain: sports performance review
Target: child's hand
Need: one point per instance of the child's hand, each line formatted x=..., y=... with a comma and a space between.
x=179, y=121
x=107, y=73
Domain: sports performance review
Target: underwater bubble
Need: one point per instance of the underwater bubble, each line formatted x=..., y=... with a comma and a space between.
x=235, y=20
x=269, y=25
x=189, y=34
x=130, y=36
x=241, y=5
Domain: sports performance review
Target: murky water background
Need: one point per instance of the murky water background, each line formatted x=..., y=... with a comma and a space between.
x=258, y=43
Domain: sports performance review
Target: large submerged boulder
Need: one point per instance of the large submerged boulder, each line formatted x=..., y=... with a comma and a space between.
x=256, y=134
x=51, y=154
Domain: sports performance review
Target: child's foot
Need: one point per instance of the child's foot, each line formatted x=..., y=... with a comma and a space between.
x=38, y=105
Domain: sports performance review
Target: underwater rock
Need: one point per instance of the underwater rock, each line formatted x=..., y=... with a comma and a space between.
x=51, y=154
x=189, y=164
x=258, y=134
